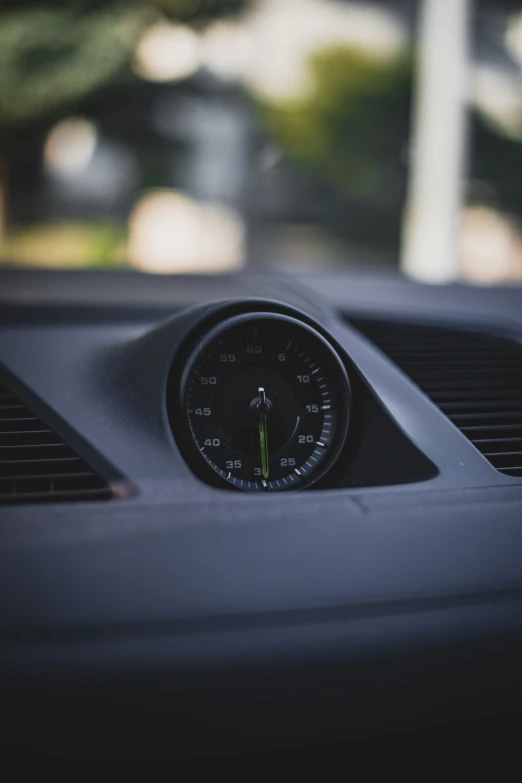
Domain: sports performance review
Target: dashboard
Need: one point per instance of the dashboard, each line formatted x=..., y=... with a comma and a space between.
x=256, y=510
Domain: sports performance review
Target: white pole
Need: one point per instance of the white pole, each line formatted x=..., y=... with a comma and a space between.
x=433, y=211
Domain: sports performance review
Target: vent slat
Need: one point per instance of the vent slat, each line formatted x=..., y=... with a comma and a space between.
x=22, y=425
x=453, y=354
x=495, y=455
x=20, y=417
x=506, y=461
x=487, y=416
x=29, y=438
x=17, y=468
x=469, y=374
x=20, y=451
x=475, y=379
x=41, y=460
x=460, y=386
x=47, y=476
x=36, y=465
x=493, y=406
x=473, y=394
x=447, y=359
x=14, y=448
x=493, y=428
x=426, y=339
x=15, y=413
x=497, y=445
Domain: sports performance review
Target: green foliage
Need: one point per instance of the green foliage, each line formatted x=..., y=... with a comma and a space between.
x=352, y=123
x=352, y=127
x=66, y=244
x=54, y=54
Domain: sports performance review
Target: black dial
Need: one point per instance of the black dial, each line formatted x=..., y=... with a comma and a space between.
x=266, y=399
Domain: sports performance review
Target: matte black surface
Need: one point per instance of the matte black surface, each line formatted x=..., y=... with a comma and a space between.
x=197, y=617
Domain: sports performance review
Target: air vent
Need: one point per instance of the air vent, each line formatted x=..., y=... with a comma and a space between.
x=36, y=465
x=474, y=378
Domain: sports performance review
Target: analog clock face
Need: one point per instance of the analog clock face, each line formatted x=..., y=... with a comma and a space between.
x=267, y=401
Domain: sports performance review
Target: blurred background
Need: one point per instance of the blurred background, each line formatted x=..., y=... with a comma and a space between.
x=206, y=135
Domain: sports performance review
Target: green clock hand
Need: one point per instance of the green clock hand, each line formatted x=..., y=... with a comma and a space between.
x=263, y=432
x=264, y=448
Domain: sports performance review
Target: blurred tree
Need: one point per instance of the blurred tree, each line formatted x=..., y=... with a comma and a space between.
x=55, y=54
x=353, y=122
x=52, y=54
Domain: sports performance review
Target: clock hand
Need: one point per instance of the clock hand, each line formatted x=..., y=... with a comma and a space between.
x=262, y=409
